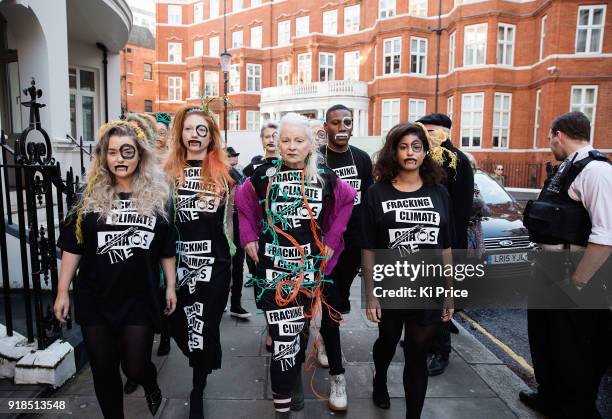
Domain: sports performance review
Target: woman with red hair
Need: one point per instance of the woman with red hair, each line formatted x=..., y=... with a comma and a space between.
x=203, y=204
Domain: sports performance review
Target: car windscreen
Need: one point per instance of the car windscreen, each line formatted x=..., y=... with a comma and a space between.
x=492, y=193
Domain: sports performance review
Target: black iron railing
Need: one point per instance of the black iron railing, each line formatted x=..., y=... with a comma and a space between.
x=31, y=174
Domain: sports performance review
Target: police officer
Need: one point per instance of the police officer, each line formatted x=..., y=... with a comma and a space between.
x=460, y=185
x=572, y=223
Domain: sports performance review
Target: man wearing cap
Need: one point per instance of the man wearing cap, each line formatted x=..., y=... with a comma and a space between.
x=460, y=185
x=236, y=309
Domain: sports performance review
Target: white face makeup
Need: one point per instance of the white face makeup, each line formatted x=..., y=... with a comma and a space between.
x=410, y=152
x=195, y=136
x=162, y=135
x=270, y=135
x=122, y=156
x=294, y=146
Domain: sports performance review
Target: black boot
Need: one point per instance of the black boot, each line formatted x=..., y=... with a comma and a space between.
x=297, y=398
x=537, y=402
x=196, y=405
x=380, y=394
x=130, y=386
x=437, y=365
x=164, y=346
x=154, y=400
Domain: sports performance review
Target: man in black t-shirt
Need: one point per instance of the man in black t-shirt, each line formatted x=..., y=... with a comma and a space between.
x=355, y=167
x=460, y=185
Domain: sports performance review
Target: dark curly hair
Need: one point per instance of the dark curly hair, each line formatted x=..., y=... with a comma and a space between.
x=387, y=167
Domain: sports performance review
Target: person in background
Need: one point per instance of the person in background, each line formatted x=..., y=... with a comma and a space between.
x=268, y=136
x=460, y=185
x=318, y=131
x=498, y=175
x=162, y=123
x=571, y=221
x=236, y=309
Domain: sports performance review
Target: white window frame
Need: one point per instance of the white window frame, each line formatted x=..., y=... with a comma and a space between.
x=237, y=5
x=198, y=12
x=499, y=111
x=211, y=83
x=302, y=26
x=542, y=35
x=589, y=27
x=471, y=125
x=253, y=73
x=304, y=71
x=351, y=65
x=537, y=112
x=213, y=46
x=237, y=39
x=145, y=72
x=256, y=36
x=417, y=8
x=330, y=22
x=392, y=55
x=421, y=57
x=255, y=3
x=329, y=71
x=213, y=8
x=175, y=14
x=198, y=48
x=581, y=106
x=389, y=120
x=284, y=32
x=476, y=45
x=234, y=120
x=175, y=88
x=194, y=84
x=352, y=18
x=452, y=41
x=505, y=46
x=175, y=56
x=253, y=121
x=450, y=103
x=78, y=103
x=234, y=78
x=417, y=108
x=283, y=74
x=386, y=8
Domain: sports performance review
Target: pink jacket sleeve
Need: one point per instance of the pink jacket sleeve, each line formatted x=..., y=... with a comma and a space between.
x=336, y=219
x=249, y=213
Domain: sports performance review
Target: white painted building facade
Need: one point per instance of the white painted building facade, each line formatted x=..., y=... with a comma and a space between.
x=60, y=44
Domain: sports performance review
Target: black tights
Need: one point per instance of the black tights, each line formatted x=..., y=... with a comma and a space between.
x=129, y=346
x=417, y=339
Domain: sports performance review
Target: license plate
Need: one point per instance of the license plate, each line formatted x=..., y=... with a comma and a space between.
x=507, y=258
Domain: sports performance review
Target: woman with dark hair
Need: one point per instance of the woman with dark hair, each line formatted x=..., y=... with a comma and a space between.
x=394, y=219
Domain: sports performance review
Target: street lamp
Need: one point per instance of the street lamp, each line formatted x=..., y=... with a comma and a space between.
x=226, y=59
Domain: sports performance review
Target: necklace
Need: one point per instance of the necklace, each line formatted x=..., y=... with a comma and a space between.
x=349, y=150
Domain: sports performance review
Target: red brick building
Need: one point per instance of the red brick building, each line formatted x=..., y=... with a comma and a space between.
x=139, y=81
x=505, y=68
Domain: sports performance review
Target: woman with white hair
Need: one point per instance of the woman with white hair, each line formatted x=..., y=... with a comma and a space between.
x=304, y=209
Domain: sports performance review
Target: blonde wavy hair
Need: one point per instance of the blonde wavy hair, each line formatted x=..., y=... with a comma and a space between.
x=150, y=191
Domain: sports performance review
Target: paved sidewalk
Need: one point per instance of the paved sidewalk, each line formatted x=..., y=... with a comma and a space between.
x=476, y=384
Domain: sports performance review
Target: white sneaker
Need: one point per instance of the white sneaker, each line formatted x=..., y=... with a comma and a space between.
x=337, y=394
x=322, y=355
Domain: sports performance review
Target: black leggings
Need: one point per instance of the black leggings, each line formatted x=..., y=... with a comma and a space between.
x=417, y=339
x=330, y=332
x=129, y=346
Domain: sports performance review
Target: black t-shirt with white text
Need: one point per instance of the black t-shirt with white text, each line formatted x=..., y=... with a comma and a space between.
x=119, y=271
x=354, y=166
x=417, y=220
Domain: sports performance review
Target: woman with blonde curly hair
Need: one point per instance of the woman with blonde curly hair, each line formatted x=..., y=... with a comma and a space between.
x=117, y=237
x=203, y=201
